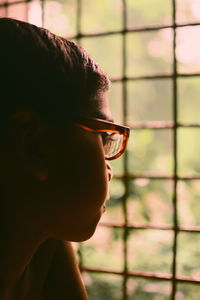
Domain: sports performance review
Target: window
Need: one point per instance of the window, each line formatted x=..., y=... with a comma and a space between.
x=148, y=243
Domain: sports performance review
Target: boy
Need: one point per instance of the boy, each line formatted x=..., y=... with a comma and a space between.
x=57, y=135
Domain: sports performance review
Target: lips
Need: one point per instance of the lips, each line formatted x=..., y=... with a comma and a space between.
x=109, y=169
x=110, y=175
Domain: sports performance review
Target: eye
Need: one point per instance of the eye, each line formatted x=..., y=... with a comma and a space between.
x=107, y=136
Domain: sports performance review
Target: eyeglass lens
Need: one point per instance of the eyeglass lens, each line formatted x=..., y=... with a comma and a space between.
x=112, y=144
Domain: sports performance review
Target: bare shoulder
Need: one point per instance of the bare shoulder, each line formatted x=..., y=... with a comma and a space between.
x=63, y=280
x=53, y=274
x=32, y=281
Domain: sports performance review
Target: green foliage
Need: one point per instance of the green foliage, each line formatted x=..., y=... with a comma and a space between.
x=98, y=16
x=145, y=12
x=148, y=289
x=188, y=291
x=101, y=287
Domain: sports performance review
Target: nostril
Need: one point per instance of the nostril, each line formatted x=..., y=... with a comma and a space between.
x=108, y=166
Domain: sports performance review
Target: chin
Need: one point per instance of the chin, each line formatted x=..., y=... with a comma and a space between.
x=87, y=231
x=83, y=236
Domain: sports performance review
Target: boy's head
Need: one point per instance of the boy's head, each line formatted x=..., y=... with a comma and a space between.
x=45, y=73
x=56, y=133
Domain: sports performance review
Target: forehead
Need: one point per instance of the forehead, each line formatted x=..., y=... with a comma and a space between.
x=98, y=107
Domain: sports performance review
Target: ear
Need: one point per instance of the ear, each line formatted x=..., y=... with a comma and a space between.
x=27, y=136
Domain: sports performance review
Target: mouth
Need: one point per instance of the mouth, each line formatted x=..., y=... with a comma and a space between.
x=110, y=175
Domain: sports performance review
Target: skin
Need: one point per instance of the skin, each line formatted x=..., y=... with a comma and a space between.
x=54, y=188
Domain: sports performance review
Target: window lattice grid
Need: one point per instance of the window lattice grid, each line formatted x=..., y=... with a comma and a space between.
x=21, y=10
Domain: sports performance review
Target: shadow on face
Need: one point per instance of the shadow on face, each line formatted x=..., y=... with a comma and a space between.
x=56, y=176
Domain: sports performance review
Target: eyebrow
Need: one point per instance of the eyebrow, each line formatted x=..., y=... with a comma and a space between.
x=100, y=116
x=103, y=117
x=111, y=120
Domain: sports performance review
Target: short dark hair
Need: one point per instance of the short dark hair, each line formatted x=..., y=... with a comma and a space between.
x=45, y=72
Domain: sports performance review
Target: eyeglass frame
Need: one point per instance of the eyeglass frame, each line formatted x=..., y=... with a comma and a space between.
x=88, y=124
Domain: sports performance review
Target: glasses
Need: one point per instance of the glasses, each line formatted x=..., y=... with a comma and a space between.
x=114, y=137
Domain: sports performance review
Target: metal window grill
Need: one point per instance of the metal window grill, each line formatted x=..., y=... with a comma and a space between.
x=173, y=125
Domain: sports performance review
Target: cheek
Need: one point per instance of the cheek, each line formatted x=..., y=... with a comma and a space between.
x=88, y=171
x=79, y=175
x=78, y=187
x=89, y=181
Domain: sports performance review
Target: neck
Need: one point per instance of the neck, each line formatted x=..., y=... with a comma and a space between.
x=20, y=237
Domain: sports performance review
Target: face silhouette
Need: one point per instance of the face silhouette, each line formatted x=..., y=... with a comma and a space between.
x=77, y=177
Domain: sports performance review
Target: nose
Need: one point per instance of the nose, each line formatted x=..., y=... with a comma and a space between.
x=110, y=171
